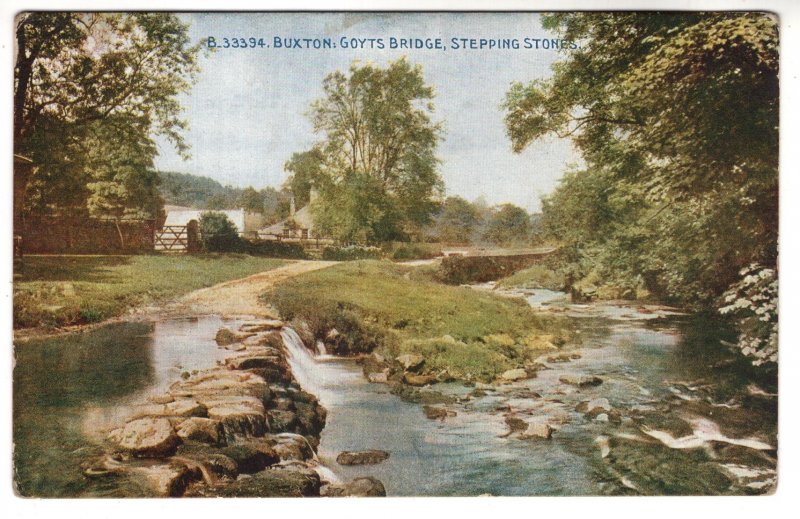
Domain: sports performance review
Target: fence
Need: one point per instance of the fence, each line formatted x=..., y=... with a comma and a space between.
x=80, y=235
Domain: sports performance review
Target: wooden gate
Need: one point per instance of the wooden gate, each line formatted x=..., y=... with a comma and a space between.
x=172, y=238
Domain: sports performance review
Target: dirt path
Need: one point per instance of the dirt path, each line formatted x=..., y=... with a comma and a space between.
x=240, y=296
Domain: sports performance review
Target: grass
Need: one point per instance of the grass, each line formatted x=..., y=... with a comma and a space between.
x=374, y=304
x=66, y=290
x=537, y=276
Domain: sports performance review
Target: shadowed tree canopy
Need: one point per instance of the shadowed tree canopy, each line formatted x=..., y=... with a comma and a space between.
x=676, y=116
x=81, y=75
x=379, y=147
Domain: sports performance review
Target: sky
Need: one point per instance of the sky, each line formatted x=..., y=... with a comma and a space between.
x=247, y=110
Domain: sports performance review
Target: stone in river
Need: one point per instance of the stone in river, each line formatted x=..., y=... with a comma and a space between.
x=580, y=380
x=594, y=407
x=381, y=377
x=359, y=487
x=514, y=374
x=516, y=424
x=368, y=457
x=251, y=457
x=226, y=336
x=273, y=482
x=165, y=480
x=435, y=413
x=538, y=430
x=418, y=380
x=281, y=420
x=204, y=430
x=147, y=437
x=291, y=447
x=411, y=361
x=261, y=326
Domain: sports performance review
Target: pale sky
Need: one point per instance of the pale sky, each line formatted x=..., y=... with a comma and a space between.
x=246, y=111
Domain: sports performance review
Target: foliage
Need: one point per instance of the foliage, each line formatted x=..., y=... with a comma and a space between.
x=401, y=251
x=457, y=221
x=676, y=116
x=375, y=169
x=399, y=314
x=218, y=233
x=90, y=91
x=67, y=290
x=306, y=171
x=753, y=302
x=274, y=249
x=351, y=253
x=508, y=225
x=537, y=276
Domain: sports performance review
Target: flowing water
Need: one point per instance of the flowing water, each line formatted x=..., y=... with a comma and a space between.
x=688, y=415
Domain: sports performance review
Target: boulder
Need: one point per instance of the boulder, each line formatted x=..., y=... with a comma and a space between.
x=291, y=447
x=215, y=464
x=261, y=326
x=147, y=437
x=381, y=377
x=204, y=430
x=257, y=361
x=359, y=487
x=580, y=380
x=514, y=374
x=165, y=479
x=251, y=457
x=594, y=407
x=418, y=380
x=368, y=457
x=435, y=413
x=281, y=421
x=274, y=482
x=226, y=336
x=515, y=424
x=411, y=361
x=538, y=430
x=183, y=407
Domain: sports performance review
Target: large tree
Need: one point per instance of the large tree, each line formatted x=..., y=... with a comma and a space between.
x=379, y=147
x=77, y=74
x=676, y=116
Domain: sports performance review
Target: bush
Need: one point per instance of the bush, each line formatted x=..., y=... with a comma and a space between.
x=274, y=249
x=414, y=251
x=351, y=253
x=218, y=233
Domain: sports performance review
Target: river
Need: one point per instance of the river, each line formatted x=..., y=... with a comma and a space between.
x=686, y=415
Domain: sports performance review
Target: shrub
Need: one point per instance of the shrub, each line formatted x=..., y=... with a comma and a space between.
x=413, y=251
x=351, y=253
x=274, y=249
x=218, y=233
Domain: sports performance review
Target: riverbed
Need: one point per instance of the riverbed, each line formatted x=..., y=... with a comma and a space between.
x=686, y=414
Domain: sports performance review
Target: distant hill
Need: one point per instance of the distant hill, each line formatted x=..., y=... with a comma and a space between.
x=196, y=191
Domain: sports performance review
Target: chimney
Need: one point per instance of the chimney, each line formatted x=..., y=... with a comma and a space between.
x=291, y=207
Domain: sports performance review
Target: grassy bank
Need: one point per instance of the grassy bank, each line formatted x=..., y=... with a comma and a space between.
x=537, y=276
x=381, y=306
x=67, y=290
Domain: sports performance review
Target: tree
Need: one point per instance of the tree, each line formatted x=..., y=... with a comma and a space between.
x=306, y=172
x=676, y=116
x=457, y=220
x=379, y=148
x=75, y=71
x=251, y=200
x=218, y=233
x=508, y=225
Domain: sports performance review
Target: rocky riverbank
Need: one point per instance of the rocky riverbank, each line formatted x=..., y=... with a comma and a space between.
x=242, y=428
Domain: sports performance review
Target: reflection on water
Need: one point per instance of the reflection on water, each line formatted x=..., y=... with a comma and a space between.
x=68, y=391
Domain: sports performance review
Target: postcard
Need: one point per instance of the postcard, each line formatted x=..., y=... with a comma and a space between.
x=296, y=254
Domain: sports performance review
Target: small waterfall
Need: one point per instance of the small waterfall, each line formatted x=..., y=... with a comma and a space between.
x=321, y=350
x=300, y=359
